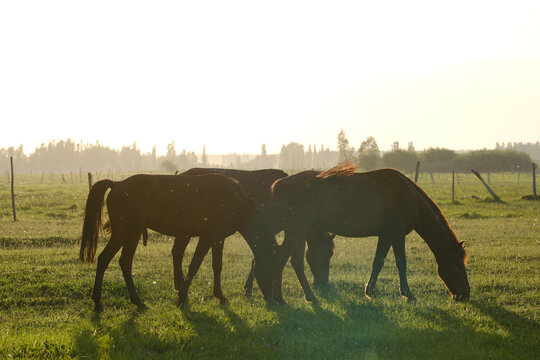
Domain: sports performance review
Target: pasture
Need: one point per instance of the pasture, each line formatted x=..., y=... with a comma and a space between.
x=46, y=310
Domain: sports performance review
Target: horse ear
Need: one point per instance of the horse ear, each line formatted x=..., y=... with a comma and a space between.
x=461, y=244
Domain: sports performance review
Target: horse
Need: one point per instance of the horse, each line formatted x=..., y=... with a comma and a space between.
x=383, y=203
x=256, y=184
x=209, y=206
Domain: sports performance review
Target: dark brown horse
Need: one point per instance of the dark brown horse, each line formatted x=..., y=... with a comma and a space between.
x=257, y=185
x=383, y=203
x=209, y=206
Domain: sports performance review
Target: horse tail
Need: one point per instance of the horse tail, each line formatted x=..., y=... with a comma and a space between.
x=92, y=220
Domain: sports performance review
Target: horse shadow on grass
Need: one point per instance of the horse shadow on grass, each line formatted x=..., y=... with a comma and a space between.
x=341, y=327
x=515, y=337
x=454, y=331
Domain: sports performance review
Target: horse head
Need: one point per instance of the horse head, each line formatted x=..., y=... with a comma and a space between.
x=320, y=250
x=451, y=270
x=259, y=234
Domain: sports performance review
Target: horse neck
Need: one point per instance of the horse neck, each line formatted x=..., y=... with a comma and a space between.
x=433, y=227
x=252, y=230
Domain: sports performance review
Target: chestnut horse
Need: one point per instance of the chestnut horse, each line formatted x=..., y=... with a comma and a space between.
x=383, y=203
x=209, y=206
x=257, y=184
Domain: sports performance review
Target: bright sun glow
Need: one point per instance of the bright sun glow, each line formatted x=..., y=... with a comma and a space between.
x=236, y=74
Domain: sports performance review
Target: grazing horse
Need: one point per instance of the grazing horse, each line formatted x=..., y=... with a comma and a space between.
x=257, y=184
x=383, y=203
x=209, y=206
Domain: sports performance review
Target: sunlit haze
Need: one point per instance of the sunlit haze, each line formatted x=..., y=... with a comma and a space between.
x=233, y=75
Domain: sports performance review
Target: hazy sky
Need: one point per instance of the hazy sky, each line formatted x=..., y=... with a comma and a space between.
x=236, y=74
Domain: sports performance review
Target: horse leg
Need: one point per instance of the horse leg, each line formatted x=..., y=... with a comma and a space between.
x=179, y=247
x=285, y=251
x=401, y=263
x=104, y=259
x=383, y=245
x=297, y=262
x=126, y=263
x=200, y=252
x=217, y=263
x=248, y=286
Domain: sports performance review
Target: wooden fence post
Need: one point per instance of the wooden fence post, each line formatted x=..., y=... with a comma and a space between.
x=89, y=181
x=12, y=189
x=416, y=172
x=453, y=186
x=495, y=197
x=534, y=179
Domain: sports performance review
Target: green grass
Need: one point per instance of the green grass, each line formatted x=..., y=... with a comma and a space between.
x=46, y=311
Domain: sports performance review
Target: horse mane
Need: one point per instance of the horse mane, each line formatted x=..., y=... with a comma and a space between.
x=291, y=183
x=432, y=205
x=346, y=168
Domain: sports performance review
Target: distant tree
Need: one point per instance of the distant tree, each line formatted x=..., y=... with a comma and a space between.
x=345, y=150
x=261, y=161
x=187, y=159
x=437, y=160
x=204, y=159
x=168, y=166
x=394, y=146
x=171, y=151
x=325, y=158
x=368, y=155
x=129, y=157
x=233, y=161
x=291, y=156
x=308, y=162
x=400, y=159
x=533, y=149
x=492, y=160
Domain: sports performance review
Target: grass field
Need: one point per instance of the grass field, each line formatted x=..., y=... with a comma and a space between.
x=46, y=311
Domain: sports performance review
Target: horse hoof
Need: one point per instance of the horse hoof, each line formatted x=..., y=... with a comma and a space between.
x=312, y=300
x=98, y=308
x=281, y=302
x=142, y=307
x=410, y=298
x=369, y=293
x=224, y=301
x=182, y=300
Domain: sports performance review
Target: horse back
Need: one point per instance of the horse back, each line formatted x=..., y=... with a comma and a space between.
x=174, y=205
x=257, y=183
x=360, y=204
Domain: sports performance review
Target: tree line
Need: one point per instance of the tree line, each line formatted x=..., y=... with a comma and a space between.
x=70, y=156
x=435, y=160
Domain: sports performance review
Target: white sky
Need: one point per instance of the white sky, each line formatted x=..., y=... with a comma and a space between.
x=236, y=74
